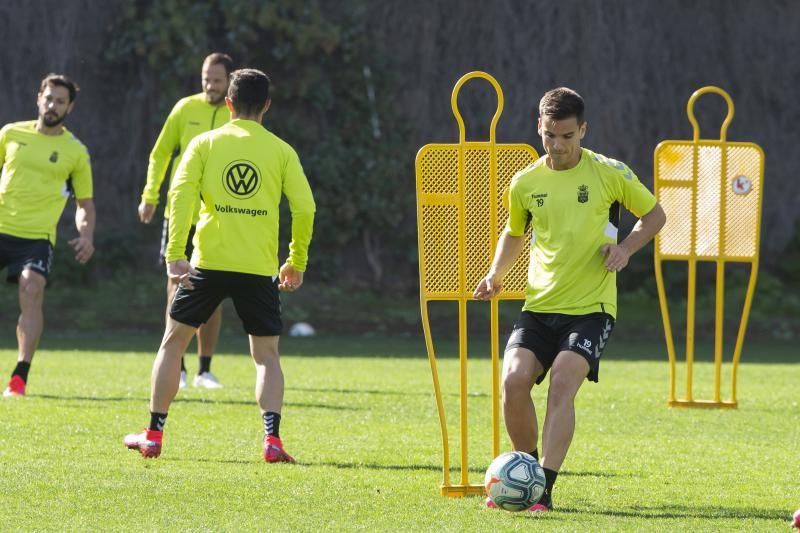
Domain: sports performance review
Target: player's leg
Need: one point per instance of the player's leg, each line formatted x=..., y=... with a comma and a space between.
x=189, y=309
x=28, y=265
x=568, y=372
x=172, y=287
x=521, y=369
x=269, y=395
x=582, y=341
x=529, y=353
x=207, y=337
x=165, y=377
x=257, y=303
x=29, y=328
x=527, y=358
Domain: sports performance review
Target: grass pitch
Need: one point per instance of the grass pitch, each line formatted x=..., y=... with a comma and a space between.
x=360, y=418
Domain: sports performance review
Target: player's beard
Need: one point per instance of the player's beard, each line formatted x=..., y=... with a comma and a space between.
x=215, y=98
x=52, y=119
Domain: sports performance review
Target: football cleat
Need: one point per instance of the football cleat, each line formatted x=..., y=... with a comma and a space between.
x=148, y=442
x=206, y=380
x=274, y=452
x=16, y=387
x=544, y=505
x=182, y=383
x=490, y=503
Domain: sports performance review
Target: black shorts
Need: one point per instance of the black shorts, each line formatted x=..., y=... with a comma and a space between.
x=162, y=254
x=256, y=299
x=20, y=254
x=547, y=334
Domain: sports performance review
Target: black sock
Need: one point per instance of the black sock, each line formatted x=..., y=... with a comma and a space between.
x=205, y=364
x=157, y=421
x=272, y=424
x=183, y=365
x=22, y=370
x=549, y=480
x=535, y=454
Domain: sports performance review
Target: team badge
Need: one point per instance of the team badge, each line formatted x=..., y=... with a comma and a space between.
x=583, y=194
x=54, y=157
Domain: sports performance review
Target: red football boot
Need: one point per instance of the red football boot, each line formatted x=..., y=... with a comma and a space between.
x=16, y=387
x=148, y=442
x=274, y=452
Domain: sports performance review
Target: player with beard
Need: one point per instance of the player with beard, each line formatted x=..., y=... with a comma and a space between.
x=43, y=164
x=190, y=117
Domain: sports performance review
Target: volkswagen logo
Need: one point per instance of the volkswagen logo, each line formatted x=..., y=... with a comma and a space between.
x=241, y=179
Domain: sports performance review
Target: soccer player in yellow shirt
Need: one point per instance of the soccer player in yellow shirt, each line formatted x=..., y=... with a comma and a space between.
x=190, y=117
x=570, y=198
x=43, y=165
x=240, y=171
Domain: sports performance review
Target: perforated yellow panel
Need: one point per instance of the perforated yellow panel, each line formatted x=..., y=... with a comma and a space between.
x=451, y=262
x=711, y=191
x=694, y=203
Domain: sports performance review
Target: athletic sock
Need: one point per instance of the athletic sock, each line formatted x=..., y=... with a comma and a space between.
x=205, y=364
x=22, y=370
x=183, y=365
x=549, y=480
x=157, y=421
x=272, y=424
x=535, y=454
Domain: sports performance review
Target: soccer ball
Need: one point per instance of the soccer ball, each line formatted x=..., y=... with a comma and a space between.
x=514, y=481
x=302, y=329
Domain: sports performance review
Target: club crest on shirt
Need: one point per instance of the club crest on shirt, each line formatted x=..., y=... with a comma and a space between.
x=54, y=157
x=583, y=194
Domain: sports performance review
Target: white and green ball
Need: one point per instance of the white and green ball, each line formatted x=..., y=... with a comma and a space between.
x=514, y=481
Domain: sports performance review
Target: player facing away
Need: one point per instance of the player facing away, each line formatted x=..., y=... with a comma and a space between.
x=571, y=199
x=43, y=165
x=190, y=117
x=240, y=171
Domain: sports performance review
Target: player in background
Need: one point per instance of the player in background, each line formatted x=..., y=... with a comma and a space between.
x=43, y=165
x=571, y=199
x=240, y=171
x=190, y=117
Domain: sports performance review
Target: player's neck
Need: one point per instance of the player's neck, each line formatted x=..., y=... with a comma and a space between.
x=44, y=129
x=254, y=118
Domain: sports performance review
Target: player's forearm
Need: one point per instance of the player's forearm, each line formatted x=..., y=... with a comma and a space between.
x=85, y=219
x=181, y=208
x=644, y=230
x=302, y=228
x=508, y=250
x=156, y=169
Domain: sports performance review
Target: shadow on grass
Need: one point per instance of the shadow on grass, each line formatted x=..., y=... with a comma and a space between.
x=685, y=511
x=188, y=400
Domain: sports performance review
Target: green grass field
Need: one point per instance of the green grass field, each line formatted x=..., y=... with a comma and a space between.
x=360, y=418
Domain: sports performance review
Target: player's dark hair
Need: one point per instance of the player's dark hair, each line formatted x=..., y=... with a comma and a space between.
x=218, y=58
x=248, y=90
x=560, y=104
x=61, y=81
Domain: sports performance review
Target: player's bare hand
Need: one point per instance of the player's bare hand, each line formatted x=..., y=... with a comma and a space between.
x=146, y=212
x=180, y=272
x=488, y=287
x=289, y=279
x=616, y=257
x=84, y=249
